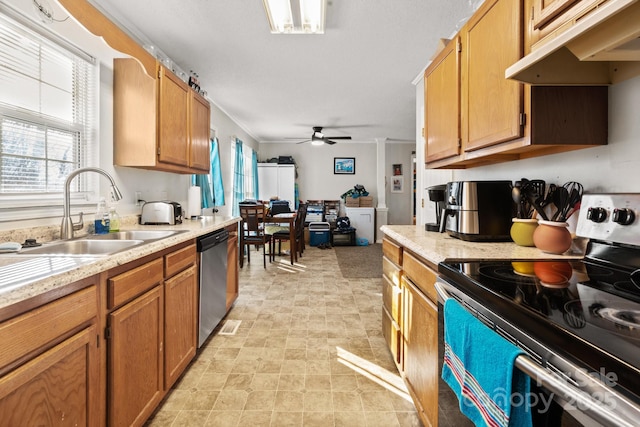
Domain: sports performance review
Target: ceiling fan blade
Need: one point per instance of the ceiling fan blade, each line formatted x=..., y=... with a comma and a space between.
x=337, y=137
x=328, y=141
x=302, y=142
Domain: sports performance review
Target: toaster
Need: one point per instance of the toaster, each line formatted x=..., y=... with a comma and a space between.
x=478, y=210
x=162, y=212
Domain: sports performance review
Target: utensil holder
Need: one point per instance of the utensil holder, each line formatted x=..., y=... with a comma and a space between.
x=552, y=237
x=522, y=231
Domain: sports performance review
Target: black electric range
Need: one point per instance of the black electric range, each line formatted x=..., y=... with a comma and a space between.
x=584, y=311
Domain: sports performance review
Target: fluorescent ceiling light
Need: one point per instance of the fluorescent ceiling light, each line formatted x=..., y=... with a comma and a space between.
x=296, y=16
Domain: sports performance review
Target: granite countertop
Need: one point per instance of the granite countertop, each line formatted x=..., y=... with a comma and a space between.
x=438, y=247
x=65, y=270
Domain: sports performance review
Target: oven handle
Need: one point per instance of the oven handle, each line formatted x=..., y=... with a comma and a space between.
x=597, y=410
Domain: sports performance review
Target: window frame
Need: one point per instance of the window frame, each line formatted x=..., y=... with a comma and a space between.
x=36, y=205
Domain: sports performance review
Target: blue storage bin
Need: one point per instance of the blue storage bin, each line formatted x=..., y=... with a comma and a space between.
x=318, y=233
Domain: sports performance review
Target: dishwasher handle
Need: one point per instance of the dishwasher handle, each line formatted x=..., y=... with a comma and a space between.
x=213, y=239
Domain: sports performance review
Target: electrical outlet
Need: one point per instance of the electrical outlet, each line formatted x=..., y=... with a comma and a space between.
x=137, y=201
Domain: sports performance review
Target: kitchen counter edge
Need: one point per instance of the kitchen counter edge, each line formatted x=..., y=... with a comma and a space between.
x=437, y=247
x=192, y=230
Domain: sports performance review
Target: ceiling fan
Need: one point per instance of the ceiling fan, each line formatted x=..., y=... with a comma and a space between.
x=319, y=138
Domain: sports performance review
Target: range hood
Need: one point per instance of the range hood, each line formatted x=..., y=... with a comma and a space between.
x=600, y=47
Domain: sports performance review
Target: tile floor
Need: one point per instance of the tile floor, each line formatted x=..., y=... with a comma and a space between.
x=308, y=352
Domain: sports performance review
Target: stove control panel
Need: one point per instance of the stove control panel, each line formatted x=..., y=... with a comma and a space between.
x=611, y=217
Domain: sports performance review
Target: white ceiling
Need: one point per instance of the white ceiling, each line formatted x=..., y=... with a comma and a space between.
x=356, y=79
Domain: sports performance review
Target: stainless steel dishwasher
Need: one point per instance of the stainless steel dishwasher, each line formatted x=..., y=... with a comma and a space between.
x=212, y=249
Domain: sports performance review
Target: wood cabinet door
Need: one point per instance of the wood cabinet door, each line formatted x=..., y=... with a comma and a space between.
x=135, y=359
x=180, y=323
x=545, y=11
x=442, y=104
x=420, y=333
x=173, y=132
x=491, y=104
x=232, y=269
x=199, y=135
x=57, y=388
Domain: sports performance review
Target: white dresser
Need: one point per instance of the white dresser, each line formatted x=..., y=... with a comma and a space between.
x=363, y=220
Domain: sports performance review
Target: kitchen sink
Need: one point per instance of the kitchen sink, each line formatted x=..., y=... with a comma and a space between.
x=82, y=247
x=145, y=235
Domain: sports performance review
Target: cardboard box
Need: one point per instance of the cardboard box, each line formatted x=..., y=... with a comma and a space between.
x=366, y=201
x=352, y=202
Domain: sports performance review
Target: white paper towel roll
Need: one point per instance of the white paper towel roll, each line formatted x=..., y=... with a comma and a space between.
x=194, y=206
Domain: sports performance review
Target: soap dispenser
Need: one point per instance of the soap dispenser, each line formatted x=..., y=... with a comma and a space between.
x=114, y=220
x=101, y=221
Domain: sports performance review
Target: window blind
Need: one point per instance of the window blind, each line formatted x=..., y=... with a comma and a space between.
x=47, y=114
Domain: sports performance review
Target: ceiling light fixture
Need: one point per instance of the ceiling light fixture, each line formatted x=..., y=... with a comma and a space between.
x=317, y=142
x=296, y=16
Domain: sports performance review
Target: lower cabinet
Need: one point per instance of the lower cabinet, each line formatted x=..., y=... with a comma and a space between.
x=180, y=323
x=104, y=350
x=420, y=335
x=49, y=364
x=152, y=332
x=410, y=325
x=135, y=359
x=232, y=266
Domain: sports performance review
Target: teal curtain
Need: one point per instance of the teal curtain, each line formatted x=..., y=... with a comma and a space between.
x=254, y=168
x=238, y=179
x=216, y=174
x=211, y=186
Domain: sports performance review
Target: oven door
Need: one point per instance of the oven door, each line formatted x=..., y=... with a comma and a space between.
x=560, y=403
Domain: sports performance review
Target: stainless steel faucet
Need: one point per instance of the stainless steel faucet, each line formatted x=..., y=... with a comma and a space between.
x=68, y=226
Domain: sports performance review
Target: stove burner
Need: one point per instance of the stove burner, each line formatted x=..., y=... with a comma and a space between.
x=506, y=273
x=622, y=319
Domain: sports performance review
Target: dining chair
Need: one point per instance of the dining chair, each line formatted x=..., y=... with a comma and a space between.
x=253, y=233
x=297, y=246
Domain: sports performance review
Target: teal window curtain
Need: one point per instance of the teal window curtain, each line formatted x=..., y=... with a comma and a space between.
x=254, y=170
x=238, y=179
x=211, y=186
x=216, y=174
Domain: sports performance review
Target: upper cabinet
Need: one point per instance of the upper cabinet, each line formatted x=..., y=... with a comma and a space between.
x=442, y=104
x=159, y=123
x=579, y=42
x=476, y=116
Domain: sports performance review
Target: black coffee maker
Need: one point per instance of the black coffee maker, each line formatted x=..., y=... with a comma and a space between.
x=436, y=195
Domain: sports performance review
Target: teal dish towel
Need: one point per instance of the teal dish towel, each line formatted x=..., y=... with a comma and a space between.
x=479, y=368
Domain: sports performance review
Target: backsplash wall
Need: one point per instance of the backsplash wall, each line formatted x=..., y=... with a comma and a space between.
x=611, y=168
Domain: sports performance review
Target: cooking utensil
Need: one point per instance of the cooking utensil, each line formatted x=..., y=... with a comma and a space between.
x=574, y=196
x=560, y=199
x=532, y=191
x=548, y=199
x=516, y=195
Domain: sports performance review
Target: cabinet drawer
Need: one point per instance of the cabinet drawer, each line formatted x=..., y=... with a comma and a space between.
x=127, y=286
x=29, y=332
x=391, y=334
x=392, y=251
x=391, y=271
x=392, y=299
x=179, y=260
x=421, y=275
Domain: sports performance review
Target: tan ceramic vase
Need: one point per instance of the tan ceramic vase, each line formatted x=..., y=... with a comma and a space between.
x=552, y=237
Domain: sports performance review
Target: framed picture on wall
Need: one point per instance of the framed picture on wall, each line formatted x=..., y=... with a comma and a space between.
x=344, y=165
x=397, y=184
x=397, y=169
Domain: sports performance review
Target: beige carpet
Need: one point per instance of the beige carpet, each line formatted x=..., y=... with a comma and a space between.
x=360, y=262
